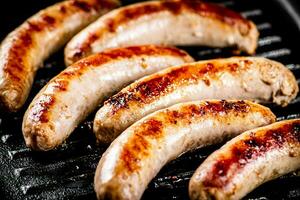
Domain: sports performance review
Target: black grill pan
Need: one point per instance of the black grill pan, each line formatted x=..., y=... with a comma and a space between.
x=67, y=173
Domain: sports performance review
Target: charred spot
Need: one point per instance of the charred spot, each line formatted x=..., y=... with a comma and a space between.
x=206, y=81
x=60, y=85
x=85, y=48
x=239, y=106
x=120, y=101
x=12, y=73
x=173, y=7
x=34, y=26
x=49, y=20
x=63, y=9
x=82, y=5
x=106, y=4
x=208, y=68
x=233, y=67
x=214, y=107
x=195, y=110
x=40, y=109
x=278, y=138
x=79, y=53
x=248, y=62
x=25, y=40
x=93, y=37
x=152, y=128
x=133, y=13
x=252, y=143
x=17, y=67
x=249, y=153
x=68, y=73
x=46, y=21
x=111, y=25
x=154, y=87
x=157, y=86
x=221, y=168
x=175, y=114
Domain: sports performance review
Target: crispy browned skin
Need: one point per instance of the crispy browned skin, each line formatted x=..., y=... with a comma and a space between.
x=147, y=91
x=177, y=7
x=23, y=50
x=70, y=96
x=247, y=161
x=138, y=154
x=153, y=129
x=251, y=78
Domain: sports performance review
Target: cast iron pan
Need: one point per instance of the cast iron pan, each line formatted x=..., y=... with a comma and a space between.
x=67, y=173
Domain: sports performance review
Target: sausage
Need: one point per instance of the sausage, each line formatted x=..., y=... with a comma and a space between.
x=74, y=93
x=249, y=78
x=247, y=161
x=137, y=155
x=174, y=22
x=23, y=51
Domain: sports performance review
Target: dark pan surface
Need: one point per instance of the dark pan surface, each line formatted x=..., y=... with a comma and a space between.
x=67, y=173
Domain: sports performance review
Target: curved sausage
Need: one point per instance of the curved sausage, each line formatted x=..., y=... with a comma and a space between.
x=252, y=78
x=74, y=93
x=137, y=155
x=23, y=51
x=174, y=22
x=247, y=161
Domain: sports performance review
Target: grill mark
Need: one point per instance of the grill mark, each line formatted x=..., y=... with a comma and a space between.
x=214, y=108
x=129, y=52
x=135, y=150
x=248, y=150
x=63, y=9
x=40, y=109
x=22, y=42
x=176, y=7
x=83, y=5
x=25, y=39
x=122, y=53
x=16, y=55
x=62, y=81
x=60, y=85
x=138, y=147
x=147, y=91
x=88, y=6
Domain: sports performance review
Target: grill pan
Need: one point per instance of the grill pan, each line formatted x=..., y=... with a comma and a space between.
x=67, y=172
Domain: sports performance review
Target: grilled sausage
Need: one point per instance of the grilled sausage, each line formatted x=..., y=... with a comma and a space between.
x=23, y=51
x=247, y=161
x=138, y=154
x=70, y=96
x=175, y=22
x=253, y=78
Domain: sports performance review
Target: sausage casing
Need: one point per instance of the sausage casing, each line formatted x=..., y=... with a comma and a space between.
x=74, y=93
x=248, y=161
x=137, y=155
x=23, y=51
x=249, y=78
